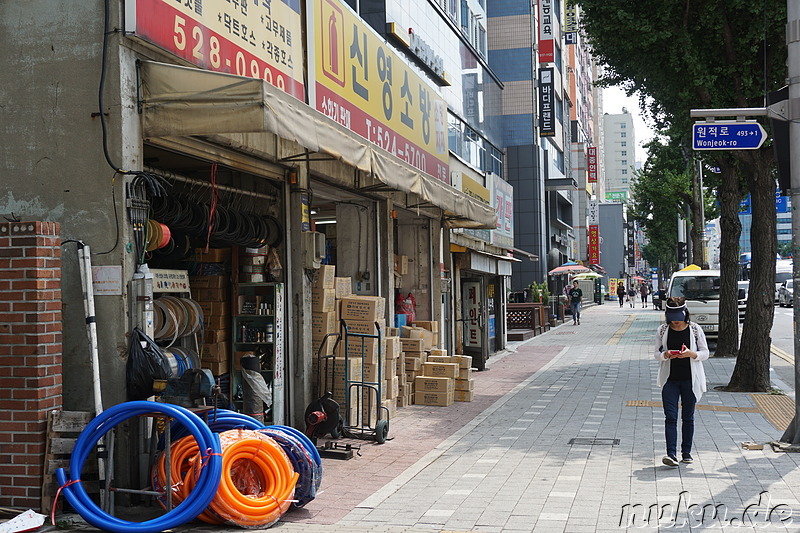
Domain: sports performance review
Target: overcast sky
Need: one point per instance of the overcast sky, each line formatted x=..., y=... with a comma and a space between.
x=614, y=100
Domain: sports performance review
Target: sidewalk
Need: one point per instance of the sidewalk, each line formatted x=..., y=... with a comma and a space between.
x=505, y=462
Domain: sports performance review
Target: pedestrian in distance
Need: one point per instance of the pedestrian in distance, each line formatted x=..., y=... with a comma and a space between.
x=643, y=292
x=632, y=297
x=621, y=293
x=575, y=297
x=681, y=348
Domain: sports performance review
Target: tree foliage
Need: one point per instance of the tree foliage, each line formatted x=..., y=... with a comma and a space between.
x=681, y=55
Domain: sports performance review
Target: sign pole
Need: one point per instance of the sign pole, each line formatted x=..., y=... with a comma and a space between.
x=792, y=433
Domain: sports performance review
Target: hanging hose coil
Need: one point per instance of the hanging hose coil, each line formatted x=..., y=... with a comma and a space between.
x=218, y=420
x=208, y=478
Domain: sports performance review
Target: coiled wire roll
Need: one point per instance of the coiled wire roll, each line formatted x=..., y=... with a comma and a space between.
x=207, y=480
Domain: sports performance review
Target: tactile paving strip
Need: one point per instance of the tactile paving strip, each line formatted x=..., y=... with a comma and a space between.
x=721, y=408
x=778, y=409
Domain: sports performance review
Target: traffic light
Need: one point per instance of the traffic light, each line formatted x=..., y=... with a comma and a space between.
x=681, y=252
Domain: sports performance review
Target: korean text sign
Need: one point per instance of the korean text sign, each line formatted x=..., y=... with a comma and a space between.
x=591, y=164
x=255, y=38
x=471, y=294
x=546, y=32
x=547, y=114
x=361, y=83
x=594, y=244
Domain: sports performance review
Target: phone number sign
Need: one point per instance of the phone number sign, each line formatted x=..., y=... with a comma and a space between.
x=362, y=84
x=255, y=38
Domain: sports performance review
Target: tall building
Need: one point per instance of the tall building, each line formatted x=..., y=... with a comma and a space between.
x=619, y=142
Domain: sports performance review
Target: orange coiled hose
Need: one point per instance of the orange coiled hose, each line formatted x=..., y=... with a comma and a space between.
x=258, y=480
x=185, y=460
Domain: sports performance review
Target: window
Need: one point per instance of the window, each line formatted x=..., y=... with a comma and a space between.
x=624, y=143
x=624, y=153
x=465, y=16
x=622, y=126
x=624, y=162
x=624, y=171
x=481, y=40
x=623, y=134
x=624, y=180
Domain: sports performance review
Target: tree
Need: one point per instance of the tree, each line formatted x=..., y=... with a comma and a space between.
x=712, y=54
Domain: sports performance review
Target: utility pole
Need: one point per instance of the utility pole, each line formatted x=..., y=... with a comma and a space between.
x=792, y=433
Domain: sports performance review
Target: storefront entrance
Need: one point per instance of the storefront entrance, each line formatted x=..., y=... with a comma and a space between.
x=474, y=313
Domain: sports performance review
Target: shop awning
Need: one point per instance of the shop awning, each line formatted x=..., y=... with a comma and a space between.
x=181, y=101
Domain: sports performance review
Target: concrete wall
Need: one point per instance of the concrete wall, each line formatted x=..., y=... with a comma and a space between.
x=52, y=163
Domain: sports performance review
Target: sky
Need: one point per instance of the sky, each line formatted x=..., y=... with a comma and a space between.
x=614, y=100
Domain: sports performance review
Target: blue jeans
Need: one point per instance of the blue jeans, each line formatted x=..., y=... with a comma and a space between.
x=576, y=310
x=670, y=393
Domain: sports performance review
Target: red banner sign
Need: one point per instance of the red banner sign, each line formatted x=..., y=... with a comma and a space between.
x=591, y=164
x=594, y=244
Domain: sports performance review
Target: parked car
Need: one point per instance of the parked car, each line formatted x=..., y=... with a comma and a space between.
x=744, y=290
x=701, y=290
x=786, y=293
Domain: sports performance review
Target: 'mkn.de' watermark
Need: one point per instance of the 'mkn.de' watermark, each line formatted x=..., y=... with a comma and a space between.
x=683, y=513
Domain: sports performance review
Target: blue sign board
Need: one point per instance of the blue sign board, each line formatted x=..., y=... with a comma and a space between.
x=719, y=135
x=781, y=204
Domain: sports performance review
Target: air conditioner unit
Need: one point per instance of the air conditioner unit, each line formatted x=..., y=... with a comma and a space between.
x=314, y=244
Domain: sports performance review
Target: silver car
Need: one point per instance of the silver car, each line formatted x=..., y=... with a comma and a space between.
x=786, y=293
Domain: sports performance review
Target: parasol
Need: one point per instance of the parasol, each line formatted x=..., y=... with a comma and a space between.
x=587, y=275
x=569, y=267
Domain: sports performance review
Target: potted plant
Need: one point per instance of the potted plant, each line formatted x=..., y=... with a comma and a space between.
x=536, y=294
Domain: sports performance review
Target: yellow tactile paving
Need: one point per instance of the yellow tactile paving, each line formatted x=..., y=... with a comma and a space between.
x=615, y=338
x=778, y=409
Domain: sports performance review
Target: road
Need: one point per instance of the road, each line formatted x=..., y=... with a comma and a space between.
x=783, y=346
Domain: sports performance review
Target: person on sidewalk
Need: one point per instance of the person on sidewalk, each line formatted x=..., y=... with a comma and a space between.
x=575, y=297
x=681, y=348
x=632, y=297
x=643, y=292
x=621, y=293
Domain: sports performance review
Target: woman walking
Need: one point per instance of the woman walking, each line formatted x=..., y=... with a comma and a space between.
x=621, y=293
x=681, y=348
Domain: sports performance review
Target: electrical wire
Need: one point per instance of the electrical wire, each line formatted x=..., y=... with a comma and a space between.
x=203, y=492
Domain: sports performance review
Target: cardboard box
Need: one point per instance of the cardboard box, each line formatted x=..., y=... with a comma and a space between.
x=323, y=346
x=401, y=264
x=429, y=325
x=371, y=373
x=365, y=327
x=750, y=445
x=393, y=347
x=412, y=345
x=216, y=352
x=323, y=323
x=413, y=363
x=465, y=384
x=464, y=373
x=214, y=255
x=323, y=300
x=463, y=395
x=217, y=367
x=440, y=351
x=442, y=399
x=214, y=309
x=217, y=322
x=214, y=336
x=326, y=277
x=439, y=359
x=392, y=387
x=392, y=332
x=359, y=347
x=343, y=287
x=464, y=361
x=440, y=370
x=369, y=308
x=211, y=295
x=208, y=282
x=429, y=384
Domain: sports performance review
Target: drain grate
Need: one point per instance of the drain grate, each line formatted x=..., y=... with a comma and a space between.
x=591, y=441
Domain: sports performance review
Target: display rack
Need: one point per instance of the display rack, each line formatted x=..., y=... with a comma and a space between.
x=258, y=328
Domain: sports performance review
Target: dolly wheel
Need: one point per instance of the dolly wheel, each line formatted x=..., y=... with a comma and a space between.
x=336, y=432
x=381, y=431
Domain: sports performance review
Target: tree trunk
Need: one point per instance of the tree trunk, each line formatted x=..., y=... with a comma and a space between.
x=730, y=196
x=751, y=372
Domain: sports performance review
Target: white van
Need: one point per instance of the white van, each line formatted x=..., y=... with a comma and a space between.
x=783, y=272
x=701, y=290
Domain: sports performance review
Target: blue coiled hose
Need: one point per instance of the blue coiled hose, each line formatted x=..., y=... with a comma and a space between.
x=198, y=499
x=302, y=462
x=309, y=446
x=219, y=420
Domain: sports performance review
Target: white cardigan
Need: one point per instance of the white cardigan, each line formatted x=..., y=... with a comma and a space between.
x=698, y=344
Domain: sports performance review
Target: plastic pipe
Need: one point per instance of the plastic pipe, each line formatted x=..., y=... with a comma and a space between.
x=199, y=498
x=310, y=473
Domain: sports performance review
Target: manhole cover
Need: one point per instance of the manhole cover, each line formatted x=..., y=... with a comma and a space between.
x=590, y=441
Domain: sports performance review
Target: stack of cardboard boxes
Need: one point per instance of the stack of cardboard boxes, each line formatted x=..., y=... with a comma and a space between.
x=213, y=295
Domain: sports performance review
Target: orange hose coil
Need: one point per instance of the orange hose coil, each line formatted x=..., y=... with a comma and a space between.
x=258, y=479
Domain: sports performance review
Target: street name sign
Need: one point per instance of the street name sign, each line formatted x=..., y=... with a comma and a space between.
x=728, y=135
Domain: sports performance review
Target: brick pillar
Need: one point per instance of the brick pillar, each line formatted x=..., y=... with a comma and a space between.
x=30, y=354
